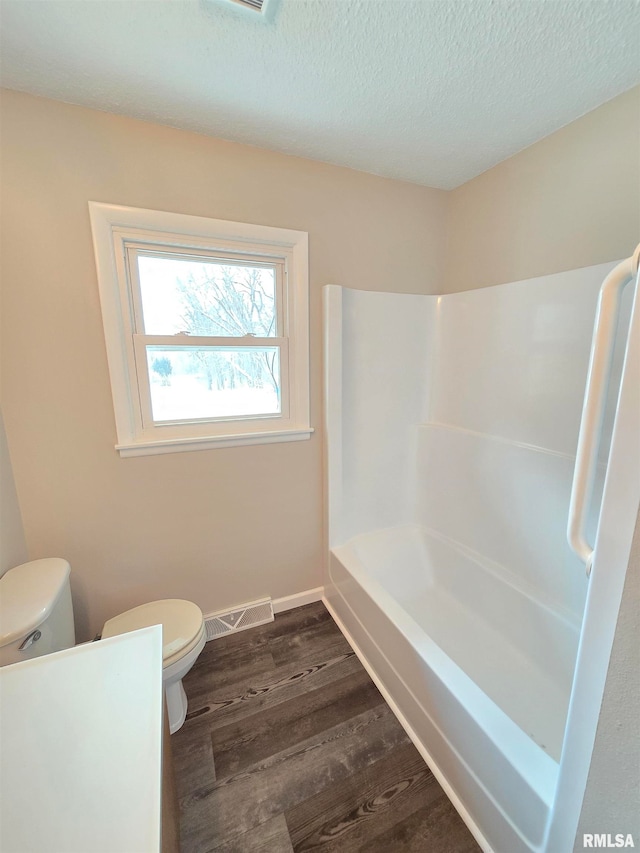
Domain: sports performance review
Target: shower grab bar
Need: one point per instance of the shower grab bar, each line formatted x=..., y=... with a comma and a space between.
x=602, y=346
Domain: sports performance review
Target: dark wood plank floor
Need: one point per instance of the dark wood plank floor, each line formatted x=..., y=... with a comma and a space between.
x=288, y=746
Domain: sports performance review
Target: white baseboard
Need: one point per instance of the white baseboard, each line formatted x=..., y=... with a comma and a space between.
x=288, y=602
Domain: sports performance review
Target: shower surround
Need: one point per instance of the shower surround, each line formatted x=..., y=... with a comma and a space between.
x=452, y=424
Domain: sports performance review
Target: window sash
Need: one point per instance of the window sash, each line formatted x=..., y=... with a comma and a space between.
x=179, y=343
x=134, y=250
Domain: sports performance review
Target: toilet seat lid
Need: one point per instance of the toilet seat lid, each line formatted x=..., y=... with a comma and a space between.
x=181, y=623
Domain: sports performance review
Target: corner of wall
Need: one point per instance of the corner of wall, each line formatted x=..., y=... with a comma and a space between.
x=566, y=202
x=13, y=547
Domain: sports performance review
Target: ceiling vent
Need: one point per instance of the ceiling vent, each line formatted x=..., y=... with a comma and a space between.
x=256, y=5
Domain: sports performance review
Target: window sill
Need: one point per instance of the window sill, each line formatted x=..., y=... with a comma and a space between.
x=182, y=445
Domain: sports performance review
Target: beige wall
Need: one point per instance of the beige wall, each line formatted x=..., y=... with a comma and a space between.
x=13, y=547
x=220, y=527
x=569, y=201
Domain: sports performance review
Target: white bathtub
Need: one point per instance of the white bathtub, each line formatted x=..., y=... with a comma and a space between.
x=451, y=426
x=479, y=670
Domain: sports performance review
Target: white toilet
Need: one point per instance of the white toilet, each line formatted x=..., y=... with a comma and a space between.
x=36, y=614
x=183, y=638
x=36, y=618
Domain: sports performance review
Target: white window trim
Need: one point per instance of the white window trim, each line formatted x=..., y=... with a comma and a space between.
x=113, y=226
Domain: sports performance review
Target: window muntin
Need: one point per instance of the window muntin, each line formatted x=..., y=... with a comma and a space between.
x=151, y=338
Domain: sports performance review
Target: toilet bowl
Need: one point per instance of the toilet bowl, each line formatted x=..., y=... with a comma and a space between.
x=183, y=638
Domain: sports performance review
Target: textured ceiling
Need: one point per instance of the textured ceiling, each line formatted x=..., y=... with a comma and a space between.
x=429, y=91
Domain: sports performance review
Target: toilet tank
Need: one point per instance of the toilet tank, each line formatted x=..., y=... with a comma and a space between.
x=36, y=614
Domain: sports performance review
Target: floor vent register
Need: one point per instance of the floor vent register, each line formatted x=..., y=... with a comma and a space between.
x=245, y=616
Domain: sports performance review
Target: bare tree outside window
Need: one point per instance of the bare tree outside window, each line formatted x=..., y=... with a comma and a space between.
x=232, y=301
x=183, y=298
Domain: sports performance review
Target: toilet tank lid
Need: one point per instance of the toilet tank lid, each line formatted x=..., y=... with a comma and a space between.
x=28, y=594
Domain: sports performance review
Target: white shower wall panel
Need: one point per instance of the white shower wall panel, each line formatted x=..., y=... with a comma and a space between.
x=507, y=503
x=385, y=344
x=511, y=360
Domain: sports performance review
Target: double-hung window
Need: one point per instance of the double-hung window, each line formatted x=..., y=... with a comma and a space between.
x=206, y=327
